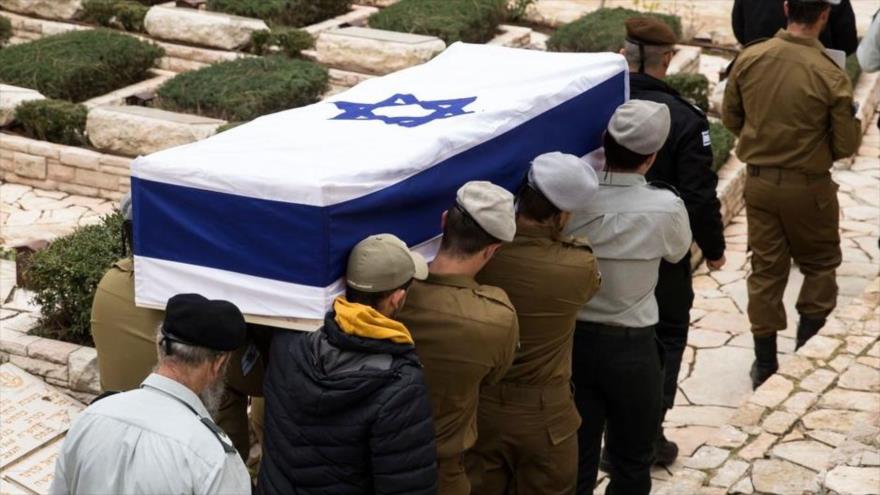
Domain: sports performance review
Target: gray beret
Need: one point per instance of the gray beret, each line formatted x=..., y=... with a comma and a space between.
x=125, y=206
x=567, y=181
x=490, y=206
x=640, y=126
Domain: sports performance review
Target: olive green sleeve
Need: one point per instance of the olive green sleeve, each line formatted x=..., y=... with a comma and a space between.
x=846, y=130
x=508, y=343
x=732, y=112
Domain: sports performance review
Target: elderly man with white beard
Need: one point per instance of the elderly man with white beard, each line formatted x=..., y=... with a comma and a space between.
x=160, y=438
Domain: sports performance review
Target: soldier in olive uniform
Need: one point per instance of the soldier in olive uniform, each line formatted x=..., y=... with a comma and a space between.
x=125, y=340
x=465, y=333
x=792, y=108
x=528, y=423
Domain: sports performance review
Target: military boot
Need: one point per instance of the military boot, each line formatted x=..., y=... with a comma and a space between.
x=665, y=450
x=807, y=327
x=765, y=363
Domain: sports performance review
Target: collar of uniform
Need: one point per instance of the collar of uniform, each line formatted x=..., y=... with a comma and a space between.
x=125, y=264
x=176, y=389
x=532, y=230
x=452, y=280
x=785, y=35
x=645, y=82
x=608, y=178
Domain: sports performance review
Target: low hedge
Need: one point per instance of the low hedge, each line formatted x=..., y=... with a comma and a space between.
x=472, y=21
x=602, y=30
x=723, y=142
x=65, y=274
x=5, y=30
x=296, y=13
x=246, y=88
x=57, y=121
x=694, y=87
x=78, y=65
x=291, y=41
x=124, y=14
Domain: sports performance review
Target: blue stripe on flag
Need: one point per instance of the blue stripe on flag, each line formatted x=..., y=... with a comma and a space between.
x=309, y=245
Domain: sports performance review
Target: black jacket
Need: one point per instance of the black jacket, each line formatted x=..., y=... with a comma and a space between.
x=346, y=415
x=756, y=19
x=685, y=162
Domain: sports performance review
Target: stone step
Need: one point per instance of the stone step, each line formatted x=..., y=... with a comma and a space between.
x=133, y=131
x=11, y=97
x=374, y=51
x=200, y=27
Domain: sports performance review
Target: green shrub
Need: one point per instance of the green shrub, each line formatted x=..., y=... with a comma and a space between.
x=291, y=41
x=723, y=142
x=853, y=69
x=5, y=30
x=64, y=277
x=296, y=13
x=126, y=14
x=57, y=121
x=78, y=65
x=246, y=88
x=473, y=21
x=694, y=87
x=601, y=31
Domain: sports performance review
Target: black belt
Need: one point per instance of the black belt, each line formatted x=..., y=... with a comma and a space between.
x=786, y=174
x=612, y=330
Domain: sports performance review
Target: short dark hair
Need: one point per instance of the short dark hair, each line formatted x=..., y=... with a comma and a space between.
x=127, y=238
x=371, y=299
x=620, y=158
x=534, y=205
x=805, y=12
x=463, y=236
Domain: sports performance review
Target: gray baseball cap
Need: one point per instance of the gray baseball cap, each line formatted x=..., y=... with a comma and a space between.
x=640, y=126
x=490, y=206
x=383, y=262
x=565, y=180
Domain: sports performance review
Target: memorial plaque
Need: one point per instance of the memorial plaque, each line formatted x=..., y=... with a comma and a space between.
x=36, y=470
x=32, y=413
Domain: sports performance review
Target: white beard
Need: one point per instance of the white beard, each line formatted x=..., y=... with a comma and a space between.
x=212, y=396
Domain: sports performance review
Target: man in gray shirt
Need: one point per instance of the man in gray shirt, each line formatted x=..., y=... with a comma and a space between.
x=160, y=438
x=617, y=365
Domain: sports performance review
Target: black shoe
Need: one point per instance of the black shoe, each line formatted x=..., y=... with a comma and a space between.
x=807, y=328
x=765, y=364
x=665, y=451
x=604, y=462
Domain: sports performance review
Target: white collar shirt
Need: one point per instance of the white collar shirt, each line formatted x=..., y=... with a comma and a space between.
x=151, y=441
x=631, y=226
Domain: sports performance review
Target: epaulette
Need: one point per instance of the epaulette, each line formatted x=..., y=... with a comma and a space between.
x=659, y=184
x=220, y=435
x=104, y=396
x=495, y=294
x=729, y=67
x=577, y=242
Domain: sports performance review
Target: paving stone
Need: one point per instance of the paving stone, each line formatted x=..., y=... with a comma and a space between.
x=841, y=362
x=748, y=414
x=775, y=390
x=689, y=438
x=839, y=398
x=706, y=338
x=744, y=487
x=860, y=377
x=10, y=193
x=779, y=422
x=704, y=282
x=728, y=437
x=800, y=402
x=853, y=480
x=780, y=477
x=723, y=305
x=793, y=436
x=871, y=362
x=819, y=347
x=731, y=472
x=758, y=447
x=685, y=481
x=730, y=362
x=707, y=457
x=700, y=415
x=856, y=344
x=835, y=419
x=818, y=381
x=724, y=277
x=807, y=453
x=725, y=322
x=794, y=366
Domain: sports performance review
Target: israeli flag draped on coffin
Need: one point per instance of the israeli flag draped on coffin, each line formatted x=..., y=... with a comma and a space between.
x=264, y=215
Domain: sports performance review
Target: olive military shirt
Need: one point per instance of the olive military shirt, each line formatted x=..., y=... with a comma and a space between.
x=791, y=106
x=548, y=280
x=466, y=335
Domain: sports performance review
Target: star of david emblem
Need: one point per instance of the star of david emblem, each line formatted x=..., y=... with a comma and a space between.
x=438, y=109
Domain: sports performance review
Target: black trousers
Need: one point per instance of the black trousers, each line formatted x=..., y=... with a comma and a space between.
x=675, y=297
x=618, y=378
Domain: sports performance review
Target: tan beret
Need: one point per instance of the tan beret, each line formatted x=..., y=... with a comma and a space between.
x=649, y=31
x=491, y=207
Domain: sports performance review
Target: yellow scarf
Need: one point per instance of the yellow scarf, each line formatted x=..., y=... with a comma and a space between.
x=364, y=321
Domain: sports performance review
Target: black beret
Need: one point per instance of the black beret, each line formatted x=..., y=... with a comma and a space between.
x=649, y=31
x=194, y=319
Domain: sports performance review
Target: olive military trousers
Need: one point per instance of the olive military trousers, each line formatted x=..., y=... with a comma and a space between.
x=527, y=441
x=791, y=215
x=452, y=478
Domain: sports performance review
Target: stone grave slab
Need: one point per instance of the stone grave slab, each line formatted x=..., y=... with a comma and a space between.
x=50, y=9
x=11, y=97
x=35, y=472
x=199, y=27
x=374, y=51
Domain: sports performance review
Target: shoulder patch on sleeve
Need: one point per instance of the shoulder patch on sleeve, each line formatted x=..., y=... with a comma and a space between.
x=707, y=139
